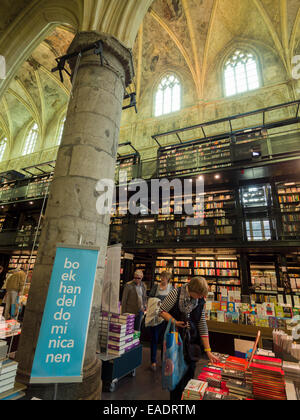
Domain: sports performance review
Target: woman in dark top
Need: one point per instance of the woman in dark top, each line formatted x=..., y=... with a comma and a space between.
x=186, y=307
x=161, y=291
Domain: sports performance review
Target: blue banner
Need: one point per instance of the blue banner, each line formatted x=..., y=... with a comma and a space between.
x=61, y=344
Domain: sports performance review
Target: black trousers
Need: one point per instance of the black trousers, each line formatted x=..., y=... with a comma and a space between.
x=177, y=393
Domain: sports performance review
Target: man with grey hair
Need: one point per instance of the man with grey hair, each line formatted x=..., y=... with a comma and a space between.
x=134, y=300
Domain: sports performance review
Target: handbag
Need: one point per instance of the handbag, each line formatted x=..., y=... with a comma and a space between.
x=173, y=365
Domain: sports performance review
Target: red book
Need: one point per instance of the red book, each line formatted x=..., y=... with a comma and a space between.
x=268, y=360
x=272, y=369
x=212, y=369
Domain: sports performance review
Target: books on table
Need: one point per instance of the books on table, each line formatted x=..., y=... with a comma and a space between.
x=8, y=372
x=194, y=390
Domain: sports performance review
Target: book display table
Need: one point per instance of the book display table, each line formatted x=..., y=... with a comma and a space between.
x=117, y=368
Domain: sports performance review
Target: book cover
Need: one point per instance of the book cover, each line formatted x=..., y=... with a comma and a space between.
x=221, y=316
x=224, y=306
x=213, y=315
x=231, y=307
x=216, y=306
x=235, y=317
x=287, y=312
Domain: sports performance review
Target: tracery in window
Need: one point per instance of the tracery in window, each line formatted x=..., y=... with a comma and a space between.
x=241, y=73
x=168, y=96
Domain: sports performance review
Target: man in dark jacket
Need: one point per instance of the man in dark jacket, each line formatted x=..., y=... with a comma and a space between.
x=134, y=300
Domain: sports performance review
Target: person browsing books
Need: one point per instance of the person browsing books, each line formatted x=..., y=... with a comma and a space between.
x=185, y=306
x=160, y=291
x=134, y=299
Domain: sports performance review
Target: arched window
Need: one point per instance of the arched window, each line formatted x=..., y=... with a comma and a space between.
x=168, y=96
x=60, y=130
x=31, y=139
x=241, y=73
x=3, y=144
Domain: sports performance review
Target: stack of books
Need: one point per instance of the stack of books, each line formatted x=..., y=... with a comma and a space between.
x=269, y=361
x=214, y=394
x=8, y=371
x=239, y=389
x=291, y=371
x=214, y=380
x=268, y=381
x=3, y=350
x=236, y=363
x=228, y=374
x=117, y=333
x=194, y=390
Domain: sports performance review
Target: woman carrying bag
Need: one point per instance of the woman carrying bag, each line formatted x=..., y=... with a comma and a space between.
x=185, y=307
x=159, y=291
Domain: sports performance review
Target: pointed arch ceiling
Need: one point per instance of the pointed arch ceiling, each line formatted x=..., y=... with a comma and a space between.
x=189, y=36
x=201, y=30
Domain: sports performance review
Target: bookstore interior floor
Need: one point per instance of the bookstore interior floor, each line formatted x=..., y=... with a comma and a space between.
x=137, y=388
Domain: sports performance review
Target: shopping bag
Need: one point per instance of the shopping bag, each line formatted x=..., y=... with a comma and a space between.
x=173, y=366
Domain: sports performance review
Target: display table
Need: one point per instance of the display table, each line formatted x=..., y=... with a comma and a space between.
x=117, y=368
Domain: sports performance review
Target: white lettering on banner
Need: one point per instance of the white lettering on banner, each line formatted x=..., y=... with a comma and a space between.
x=58, y=358
x=58, y=333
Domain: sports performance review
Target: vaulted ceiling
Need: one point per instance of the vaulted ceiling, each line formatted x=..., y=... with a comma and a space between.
x=196, y=34
x=190, y=36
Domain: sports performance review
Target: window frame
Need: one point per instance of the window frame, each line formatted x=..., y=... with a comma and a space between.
x=156, y=90
x=2, y=153
x=30, y=150
x=246, y=51
x=60, y=130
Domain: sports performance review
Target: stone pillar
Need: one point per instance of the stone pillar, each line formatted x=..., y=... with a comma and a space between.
x=86, y=155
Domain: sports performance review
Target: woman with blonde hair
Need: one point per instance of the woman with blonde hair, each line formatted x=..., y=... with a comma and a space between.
x=160, y=291
x=185, y=306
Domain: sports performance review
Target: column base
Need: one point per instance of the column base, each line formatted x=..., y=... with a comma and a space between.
x=89, y=389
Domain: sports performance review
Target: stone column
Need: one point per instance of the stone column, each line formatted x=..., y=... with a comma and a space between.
x=86, y=155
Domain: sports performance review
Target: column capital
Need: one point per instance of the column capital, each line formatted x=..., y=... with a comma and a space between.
x=111, y=47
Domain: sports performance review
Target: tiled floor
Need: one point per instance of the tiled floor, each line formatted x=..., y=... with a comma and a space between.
x=146, y=385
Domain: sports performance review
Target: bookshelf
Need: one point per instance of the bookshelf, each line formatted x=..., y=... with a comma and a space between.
x=188, y=159
x=219, y=273
x=6, y=191
x=27, y=261
x=289, y=202
x=128, y=166
x=39, y=186
x=255, y=196
x=263, y=277
x=2, y=220
x=26, y=234
x=222, y=274
x=293, y=267
x=216, y=213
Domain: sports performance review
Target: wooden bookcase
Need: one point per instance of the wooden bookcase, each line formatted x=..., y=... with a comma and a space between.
x=289, y=201
x=189, y=159
x=219, y=272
